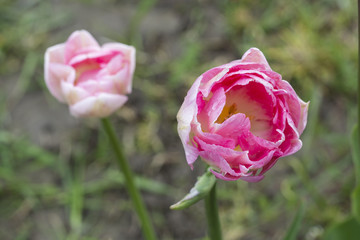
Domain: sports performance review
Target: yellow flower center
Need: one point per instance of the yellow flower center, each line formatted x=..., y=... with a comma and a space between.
x=228, y=111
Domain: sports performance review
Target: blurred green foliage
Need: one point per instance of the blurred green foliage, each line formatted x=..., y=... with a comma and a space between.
x=68, y=188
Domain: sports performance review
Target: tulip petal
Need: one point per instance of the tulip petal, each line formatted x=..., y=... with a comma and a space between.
x=56, y=73
x=209, y=78
x=184, y=117
x=244, y=77
x=216, y=160
x=98, y=106
x=293, y=143
x=254, y=55
x=94, y=87
x=233, y=158
x=118, y=71
x=303, y=116
x=253, y=178
x=73, y=94
x=129, y=56
x=228, y=177
x=79, y=42
x=215, y=139
x=235, y=125
x=92, y=58
x=55, y=54
x=297, y=108
x=212, y=109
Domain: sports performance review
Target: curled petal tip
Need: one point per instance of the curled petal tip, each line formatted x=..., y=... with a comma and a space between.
x=254, y=55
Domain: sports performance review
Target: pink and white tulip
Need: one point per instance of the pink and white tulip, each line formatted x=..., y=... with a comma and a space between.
x=240, y=118
x=92, y=79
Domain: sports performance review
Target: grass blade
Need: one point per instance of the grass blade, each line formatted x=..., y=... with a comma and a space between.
x=295, y=225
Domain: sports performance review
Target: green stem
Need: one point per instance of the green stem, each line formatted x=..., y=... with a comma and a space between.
x=358, y=68
x=212, y=215
x=77, y=191
x=137, y=201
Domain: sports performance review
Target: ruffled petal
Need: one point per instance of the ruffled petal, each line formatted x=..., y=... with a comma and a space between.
x=228, y=177
x=233, y=157
x=185, y=116
x=211, y=77
x=292, y=143
x=297, y=108
x=234, y=126
x=212, y=109
x=214, y=139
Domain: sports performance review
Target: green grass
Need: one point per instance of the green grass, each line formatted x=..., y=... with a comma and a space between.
x=70, y=189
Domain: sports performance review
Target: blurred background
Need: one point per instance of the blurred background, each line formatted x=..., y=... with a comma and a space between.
x=58, y=179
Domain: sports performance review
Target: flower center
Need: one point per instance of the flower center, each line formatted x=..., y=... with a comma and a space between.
x=228, y=111
x=252, y=101
x=85, y=69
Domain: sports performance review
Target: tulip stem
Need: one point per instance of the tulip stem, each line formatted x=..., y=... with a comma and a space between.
x=358, y=67
x=212, y=215
x=134, y=193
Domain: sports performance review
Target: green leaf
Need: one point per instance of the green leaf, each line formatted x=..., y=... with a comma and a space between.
x=355, y=203
x=349, y=230
x=199, y=191
x=295, y=225
x=355, y=146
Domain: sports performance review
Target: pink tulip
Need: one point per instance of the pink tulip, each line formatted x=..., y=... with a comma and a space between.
x=92, y=79
x=240, y=118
